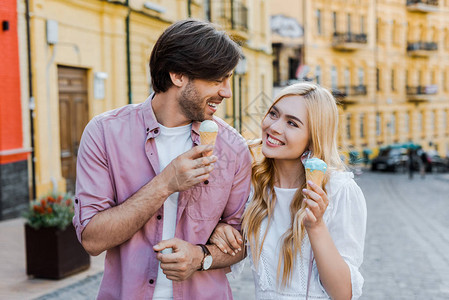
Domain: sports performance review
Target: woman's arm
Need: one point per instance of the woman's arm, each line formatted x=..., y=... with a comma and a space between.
x=333, y=270
x=227, y=239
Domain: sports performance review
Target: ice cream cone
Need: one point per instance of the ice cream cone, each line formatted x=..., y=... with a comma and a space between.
x=208, y=134
x=316, y=176
x=208, y=138
x=315, y=169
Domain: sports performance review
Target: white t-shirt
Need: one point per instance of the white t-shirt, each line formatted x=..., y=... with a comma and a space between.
x=345, y=218
x=170, y=143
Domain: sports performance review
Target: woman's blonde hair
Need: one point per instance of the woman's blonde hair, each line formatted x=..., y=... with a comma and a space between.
x=322, y=116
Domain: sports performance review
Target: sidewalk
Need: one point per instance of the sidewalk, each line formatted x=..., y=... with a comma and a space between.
x=14, y=282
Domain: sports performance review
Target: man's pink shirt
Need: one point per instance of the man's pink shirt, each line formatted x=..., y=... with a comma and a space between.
x=117, y=156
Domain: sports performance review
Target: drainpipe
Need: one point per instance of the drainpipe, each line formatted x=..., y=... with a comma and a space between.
x=128, y=54
x=189, y=8
x=31, y=103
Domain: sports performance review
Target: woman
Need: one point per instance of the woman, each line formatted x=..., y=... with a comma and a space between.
x=302, y=242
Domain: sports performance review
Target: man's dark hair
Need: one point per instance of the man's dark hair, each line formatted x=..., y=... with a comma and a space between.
x=193, y=48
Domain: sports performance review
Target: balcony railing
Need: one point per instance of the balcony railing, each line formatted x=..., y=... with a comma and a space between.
x=421, y=93
x=349, y=93
x=422, y=90
x=232, y=15
x=426, y=46
x=422, y=48
x=422, y=5
x=349, y=40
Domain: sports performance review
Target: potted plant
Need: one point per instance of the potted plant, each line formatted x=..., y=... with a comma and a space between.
x=52, y=248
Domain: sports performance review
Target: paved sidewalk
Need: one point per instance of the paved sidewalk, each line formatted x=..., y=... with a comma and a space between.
x=14, y=282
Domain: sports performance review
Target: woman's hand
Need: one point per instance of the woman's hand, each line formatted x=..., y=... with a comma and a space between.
x=227, y=239
x=317, y=203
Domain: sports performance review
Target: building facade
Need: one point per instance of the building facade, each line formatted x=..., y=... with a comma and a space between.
x=90, y=56
x=14, y=151
x=387, y=61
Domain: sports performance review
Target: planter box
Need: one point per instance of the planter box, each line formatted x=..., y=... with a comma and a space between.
x=53, y=253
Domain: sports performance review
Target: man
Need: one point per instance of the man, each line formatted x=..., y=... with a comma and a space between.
x=145, y=192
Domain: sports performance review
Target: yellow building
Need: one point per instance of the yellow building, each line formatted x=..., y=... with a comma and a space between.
x=388, y=60
x=89, y=56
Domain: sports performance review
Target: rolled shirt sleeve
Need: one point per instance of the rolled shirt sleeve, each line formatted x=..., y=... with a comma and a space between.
x=94, y=187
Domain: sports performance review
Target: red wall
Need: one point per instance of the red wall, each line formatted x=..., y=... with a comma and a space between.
x=10, y=106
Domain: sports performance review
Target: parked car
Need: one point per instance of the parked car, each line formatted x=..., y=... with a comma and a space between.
x=436, y=163
x=390, y=159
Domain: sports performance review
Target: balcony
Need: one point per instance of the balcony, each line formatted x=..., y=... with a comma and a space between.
x=232, y=16
x=348, y=41
x=421, y=93
x=423, y=6
x=422, y=49
x=350, y=94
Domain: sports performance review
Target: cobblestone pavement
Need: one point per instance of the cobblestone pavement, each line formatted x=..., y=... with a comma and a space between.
x=407, y=242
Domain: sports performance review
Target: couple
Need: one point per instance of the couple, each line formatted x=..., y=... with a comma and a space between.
x=147, y=194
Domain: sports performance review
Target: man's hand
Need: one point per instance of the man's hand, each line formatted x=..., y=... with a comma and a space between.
x=189, y=169
x=183, y=262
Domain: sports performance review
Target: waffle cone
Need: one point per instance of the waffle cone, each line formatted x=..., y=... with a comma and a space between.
x=315, y=176
x=208, y=138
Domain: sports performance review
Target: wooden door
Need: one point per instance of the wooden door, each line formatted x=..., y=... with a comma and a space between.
x=73, y=117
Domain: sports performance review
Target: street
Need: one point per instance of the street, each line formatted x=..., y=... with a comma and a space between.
x=406, y=249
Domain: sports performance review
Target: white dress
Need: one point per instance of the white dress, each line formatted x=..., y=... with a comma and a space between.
x=345, y=218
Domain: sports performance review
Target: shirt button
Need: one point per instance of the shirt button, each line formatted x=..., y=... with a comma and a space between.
x=159, y=217
x=206, y=182
x=148, y=129
x=156, y=131
x=151, y=281
x=76, y=201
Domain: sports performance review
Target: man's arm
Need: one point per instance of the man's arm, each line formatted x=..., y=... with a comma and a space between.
x=186, y=258
x=117, y=224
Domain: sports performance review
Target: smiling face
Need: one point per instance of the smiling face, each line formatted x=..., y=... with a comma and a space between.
x=285, y=132
x=200, y=98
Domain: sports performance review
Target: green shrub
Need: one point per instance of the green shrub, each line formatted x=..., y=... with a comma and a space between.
x=50, y=211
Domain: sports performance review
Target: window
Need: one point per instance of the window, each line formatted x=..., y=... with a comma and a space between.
x=293, y=64
x=378, y=79
x=207, y=11
x=334, y=79
x=318, y=22
x=347, y=80
x=393, y=124
x=318, y=74
x=334, y=21
x=392, y=80
x=362, y=125
x=348, y=126
x=378, y=124
x=361, y=76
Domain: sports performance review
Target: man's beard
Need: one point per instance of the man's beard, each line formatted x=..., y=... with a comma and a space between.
x=191, y=104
